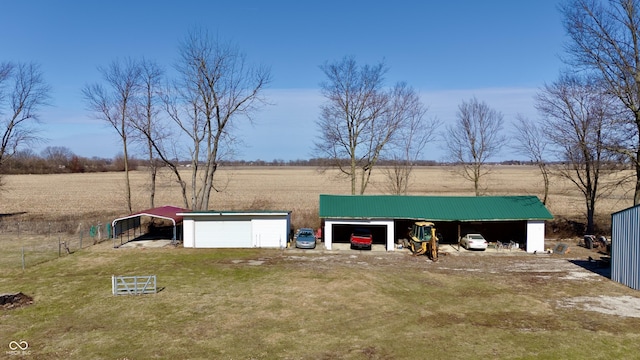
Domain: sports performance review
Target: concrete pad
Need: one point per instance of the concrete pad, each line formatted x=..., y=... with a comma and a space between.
x=146, y=244
x=347, y=247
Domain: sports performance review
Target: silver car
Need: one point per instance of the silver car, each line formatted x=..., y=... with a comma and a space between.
x=474, y=241
x=306, y=239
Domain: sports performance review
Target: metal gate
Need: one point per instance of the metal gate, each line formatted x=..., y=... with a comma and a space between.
x=133, y=285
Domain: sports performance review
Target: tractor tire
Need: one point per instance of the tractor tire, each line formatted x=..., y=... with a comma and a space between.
x=588, y=243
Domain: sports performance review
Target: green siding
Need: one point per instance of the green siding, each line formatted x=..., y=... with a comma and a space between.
x=437, y=208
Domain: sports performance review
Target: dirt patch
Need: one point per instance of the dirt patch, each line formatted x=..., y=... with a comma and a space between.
x=249, y=262
x=625, y=306
x=579, y=265
x=12, y=301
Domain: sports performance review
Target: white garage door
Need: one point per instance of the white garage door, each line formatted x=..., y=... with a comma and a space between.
x=223, y=234
x=269, y=233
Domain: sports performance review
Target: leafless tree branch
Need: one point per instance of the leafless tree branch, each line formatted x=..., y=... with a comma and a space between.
x=474, y=139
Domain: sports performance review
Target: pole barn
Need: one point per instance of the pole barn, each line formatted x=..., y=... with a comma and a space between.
x=499, y=218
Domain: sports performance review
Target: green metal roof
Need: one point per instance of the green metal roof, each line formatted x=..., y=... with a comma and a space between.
x=436, y=208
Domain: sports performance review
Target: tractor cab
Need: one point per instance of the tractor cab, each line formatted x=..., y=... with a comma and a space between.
x=422, y=231
x=423, y=239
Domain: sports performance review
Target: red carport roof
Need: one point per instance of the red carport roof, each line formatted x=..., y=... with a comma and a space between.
x=165, y=212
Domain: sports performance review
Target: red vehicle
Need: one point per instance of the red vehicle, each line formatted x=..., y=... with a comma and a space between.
x=361, y=238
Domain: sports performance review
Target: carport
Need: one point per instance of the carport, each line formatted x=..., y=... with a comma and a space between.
x=133, y=222
x=498, y=218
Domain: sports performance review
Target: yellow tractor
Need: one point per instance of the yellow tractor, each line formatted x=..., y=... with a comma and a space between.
x=423, y=239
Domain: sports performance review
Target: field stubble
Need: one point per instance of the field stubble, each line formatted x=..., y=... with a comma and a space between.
x=58, y=197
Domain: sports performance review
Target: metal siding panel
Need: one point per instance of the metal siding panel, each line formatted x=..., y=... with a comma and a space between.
x=634, y=235
x=625, y=248
x=631, y=257
x=222, y=234
x=617, y=242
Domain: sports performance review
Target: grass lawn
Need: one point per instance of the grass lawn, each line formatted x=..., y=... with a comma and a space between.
x=267, y=304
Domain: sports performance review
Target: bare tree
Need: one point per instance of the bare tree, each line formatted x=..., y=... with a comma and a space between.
x=148, y=108
x=23, y=92
x=57, y=155
x=530, y=141
x=161, y=137
x=24, y=161
x=577, y=116
x=216, y=88
x=408, y=145
x=360, y=118
x=605, y=40
x=115, y=104
x=474, y=139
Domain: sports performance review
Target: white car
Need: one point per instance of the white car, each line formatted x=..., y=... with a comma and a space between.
x=474, y=241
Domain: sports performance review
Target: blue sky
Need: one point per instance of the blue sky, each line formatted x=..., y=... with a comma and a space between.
x=500, y=51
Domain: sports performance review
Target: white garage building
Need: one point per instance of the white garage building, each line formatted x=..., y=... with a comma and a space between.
x=236, y=229
x=498, y=218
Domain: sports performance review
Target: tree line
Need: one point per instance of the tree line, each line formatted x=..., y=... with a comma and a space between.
x=588, y=119
x=61, y=160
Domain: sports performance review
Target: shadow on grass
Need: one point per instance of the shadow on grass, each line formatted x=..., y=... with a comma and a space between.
x=600, y=267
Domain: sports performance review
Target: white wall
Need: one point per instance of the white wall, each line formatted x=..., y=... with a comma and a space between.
x=535, y=236
x=188, y=233
x=240, y=230
x=270, y=233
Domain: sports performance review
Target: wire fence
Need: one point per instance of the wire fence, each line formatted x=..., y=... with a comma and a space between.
x=24, y=244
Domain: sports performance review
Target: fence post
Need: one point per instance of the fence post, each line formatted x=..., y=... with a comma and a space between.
x=59, y=247
x=81, y=234
x=23, y=264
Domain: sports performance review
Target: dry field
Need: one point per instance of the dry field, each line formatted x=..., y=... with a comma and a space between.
x=100, y=195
